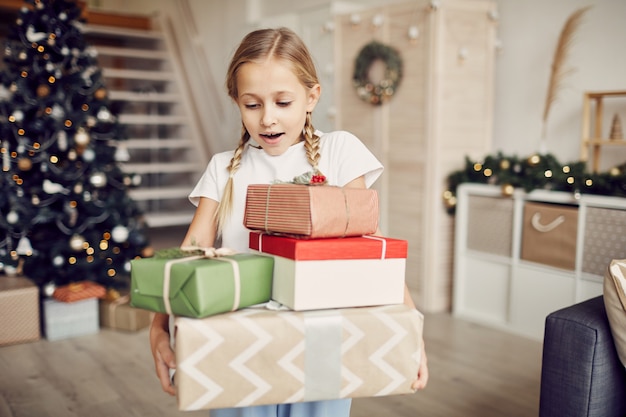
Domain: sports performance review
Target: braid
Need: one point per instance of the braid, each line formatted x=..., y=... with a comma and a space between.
x=311, y=143
x=225, y=207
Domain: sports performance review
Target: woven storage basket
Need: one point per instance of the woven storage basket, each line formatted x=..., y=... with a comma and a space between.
x=549, y=234
x=605, y=239
x=490, y=225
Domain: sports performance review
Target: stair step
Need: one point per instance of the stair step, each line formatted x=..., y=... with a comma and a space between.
x=158, y=193
x=146, y=119
x=132, y=74
x=131, y=52
x=162, y=167
x=145, y=97
x=119, y=32
x=156, y=143
x=179, y=218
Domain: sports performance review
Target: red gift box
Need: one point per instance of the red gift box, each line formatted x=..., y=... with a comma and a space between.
x=77, y=291
x=361, y=247
x=311, y=211
x=315, y=274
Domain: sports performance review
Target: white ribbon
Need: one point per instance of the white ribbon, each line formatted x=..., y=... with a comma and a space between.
x=322, y=359
x=383, y=253
x=211, y=253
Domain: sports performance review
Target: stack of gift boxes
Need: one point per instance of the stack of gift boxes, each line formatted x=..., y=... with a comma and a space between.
x=76, y=309
x=332, y=323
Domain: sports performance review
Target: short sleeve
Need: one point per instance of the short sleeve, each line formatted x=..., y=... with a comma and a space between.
x=213, y=180
x=350, y=159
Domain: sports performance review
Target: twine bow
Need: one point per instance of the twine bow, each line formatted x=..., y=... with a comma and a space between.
x=212, y=253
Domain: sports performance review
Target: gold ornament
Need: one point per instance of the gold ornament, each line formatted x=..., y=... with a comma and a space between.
x=507, y=190
x=505, y=164
x=100, y=93
x=534, y=160
x=43, y=90
x=147, y=252
x=81, y=137
x=112, y=294
x=24, y=164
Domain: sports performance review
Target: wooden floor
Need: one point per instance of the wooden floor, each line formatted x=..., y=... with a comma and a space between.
x=475, y=371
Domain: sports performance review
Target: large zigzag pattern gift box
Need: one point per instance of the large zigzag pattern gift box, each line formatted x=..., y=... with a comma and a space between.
x=259, y=356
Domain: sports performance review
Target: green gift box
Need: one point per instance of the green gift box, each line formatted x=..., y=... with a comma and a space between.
x=200, y=286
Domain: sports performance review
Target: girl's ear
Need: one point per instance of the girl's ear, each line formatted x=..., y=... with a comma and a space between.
x=313, y=97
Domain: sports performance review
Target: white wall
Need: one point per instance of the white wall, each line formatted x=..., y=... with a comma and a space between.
x=528, y=30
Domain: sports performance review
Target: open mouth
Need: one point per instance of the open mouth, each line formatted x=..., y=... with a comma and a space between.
x=270, y=136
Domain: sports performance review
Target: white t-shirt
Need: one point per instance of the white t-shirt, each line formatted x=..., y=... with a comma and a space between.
x=343, y=158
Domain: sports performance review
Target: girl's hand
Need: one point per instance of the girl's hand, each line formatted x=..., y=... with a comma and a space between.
x=162, y=353
x=422, y=372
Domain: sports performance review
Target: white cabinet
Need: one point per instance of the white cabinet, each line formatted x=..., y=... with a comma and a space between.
x=496, y=284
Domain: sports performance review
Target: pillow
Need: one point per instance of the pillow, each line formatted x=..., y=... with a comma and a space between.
x=615, y=304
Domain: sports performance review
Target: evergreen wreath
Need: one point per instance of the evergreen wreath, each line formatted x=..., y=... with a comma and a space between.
x=383, y=91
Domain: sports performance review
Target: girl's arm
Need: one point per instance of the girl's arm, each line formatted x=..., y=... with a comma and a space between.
x=201, y=232
x=422, y=373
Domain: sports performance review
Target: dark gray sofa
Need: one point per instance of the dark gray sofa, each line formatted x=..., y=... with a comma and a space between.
x=581, y=374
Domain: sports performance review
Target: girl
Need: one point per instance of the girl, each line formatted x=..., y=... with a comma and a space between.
x=273, y=81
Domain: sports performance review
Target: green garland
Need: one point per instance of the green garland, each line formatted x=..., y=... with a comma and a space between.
x=368, y=91
x=535, y=172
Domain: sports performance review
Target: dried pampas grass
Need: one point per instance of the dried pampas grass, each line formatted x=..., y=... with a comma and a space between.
x=559, y=70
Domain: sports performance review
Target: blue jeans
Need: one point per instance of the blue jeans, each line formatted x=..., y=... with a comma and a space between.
x=331, y=408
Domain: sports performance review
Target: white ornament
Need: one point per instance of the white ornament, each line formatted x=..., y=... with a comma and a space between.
x=33, y=36
x=119, y=234
x=104, y=114
x=48, y=289
x=62, y=140
x=121, y=153
x=98, y=179
x=50, y=187
x=18, y=115
x=12, y=217
x=24, y=247
x=10, y=270
x=89, y=155
x=58, y=261
x=413, y=32
x=77, y=242
x=81, y=137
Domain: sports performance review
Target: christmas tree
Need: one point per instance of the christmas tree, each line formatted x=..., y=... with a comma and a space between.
x=65, y=211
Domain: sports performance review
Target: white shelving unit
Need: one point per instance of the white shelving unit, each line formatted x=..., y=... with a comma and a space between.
x=496, y=286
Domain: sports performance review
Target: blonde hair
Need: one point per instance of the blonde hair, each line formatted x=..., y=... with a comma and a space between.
x=283, y=44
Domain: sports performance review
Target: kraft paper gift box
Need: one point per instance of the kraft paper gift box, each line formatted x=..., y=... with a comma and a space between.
x=314, y=211
x=19, y=310
x=118, y=314
x=314, y=274
x=258, y=356
x=198, y=286
x=65, y=320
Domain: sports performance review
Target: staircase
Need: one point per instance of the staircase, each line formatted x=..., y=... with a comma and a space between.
x=164, y=151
